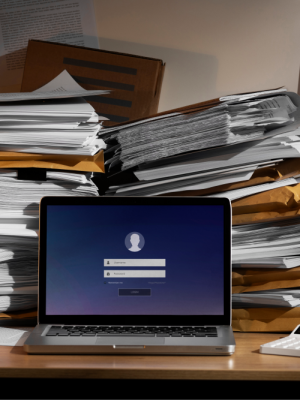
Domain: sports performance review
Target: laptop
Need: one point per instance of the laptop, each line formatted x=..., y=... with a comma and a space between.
x=134, y=275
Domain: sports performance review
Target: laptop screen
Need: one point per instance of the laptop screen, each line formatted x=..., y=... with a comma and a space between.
x=164, y=259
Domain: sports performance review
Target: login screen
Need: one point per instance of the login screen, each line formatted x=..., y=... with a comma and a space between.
x=135, y=260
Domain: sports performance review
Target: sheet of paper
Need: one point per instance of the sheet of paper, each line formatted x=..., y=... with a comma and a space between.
x=242, y=97
x=7, y=290
x=239, y=193
x=14, y=337
x=62, y=83
x=65, y=21
x=63, y=86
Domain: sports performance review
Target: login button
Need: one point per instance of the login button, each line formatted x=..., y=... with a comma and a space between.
x=134, y=292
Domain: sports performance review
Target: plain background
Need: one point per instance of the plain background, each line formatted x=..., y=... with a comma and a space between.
x=211, y=47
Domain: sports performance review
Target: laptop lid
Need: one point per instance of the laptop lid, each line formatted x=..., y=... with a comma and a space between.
x=135, y=261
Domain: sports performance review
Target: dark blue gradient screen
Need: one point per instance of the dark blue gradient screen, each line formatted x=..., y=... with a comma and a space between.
x=98, y=260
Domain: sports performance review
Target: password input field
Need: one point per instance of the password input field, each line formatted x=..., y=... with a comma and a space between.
x=125, y=262
x=134, y=273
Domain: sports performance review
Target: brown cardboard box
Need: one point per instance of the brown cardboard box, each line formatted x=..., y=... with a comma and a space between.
x=135, y=81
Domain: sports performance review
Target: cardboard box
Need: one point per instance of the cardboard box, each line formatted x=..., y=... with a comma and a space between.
x=135, y=81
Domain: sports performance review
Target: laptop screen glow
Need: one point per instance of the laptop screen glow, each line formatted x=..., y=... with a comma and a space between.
x=135, y=260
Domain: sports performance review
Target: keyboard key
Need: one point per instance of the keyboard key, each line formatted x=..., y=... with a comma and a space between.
x=145, y=331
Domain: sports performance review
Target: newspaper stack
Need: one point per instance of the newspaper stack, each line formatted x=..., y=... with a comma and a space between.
x=256, y=166
x=54, y=120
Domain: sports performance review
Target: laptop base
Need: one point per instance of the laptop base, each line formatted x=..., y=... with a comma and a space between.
x=39, y=343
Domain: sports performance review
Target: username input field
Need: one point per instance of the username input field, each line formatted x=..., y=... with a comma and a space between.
x=134, y=273
x=125, y=262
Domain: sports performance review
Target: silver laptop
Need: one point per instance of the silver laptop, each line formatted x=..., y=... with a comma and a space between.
x=134, y=275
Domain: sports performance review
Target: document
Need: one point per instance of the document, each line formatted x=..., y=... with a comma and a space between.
x=265, y=240
x=56, y=120
x=247, y=96
x=63, y=86
x=267, y=298
x=189, y=182
x=213, y=129
x=14, y=337
x=65, y=21
x=18, y=290
x=248, y=191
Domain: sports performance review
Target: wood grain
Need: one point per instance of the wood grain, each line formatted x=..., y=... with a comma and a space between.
x=246, y=364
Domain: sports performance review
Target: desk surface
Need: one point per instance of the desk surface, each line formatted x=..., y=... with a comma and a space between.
x=246, y=364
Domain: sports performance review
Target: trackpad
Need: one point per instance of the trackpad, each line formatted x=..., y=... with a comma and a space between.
x=130, y=341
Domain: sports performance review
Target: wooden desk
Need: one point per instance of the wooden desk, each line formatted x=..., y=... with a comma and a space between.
x=245, y=364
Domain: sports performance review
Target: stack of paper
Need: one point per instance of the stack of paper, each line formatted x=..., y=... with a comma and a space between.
x=245, y=148
x=228, y=123
x=272, y=244
x=150, y=157
x=268, y=298
x=50, y=120
x=54, y=120
x=274, y=240
x=19, y=224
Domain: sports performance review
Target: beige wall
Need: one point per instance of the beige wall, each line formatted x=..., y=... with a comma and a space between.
x=211, y=47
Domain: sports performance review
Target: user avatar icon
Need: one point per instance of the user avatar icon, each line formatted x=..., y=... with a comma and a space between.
x=134, y=241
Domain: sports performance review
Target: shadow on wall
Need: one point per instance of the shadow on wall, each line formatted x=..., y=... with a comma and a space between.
x=189, y=77
x=298, y=92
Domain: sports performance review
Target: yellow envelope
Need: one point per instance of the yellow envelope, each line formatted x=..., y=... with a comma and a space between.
x=283, y=319
x=248, y=277
x=263, y=216
x=281, y=199
x=19, y=314
x=282, y=284
x=53, y=161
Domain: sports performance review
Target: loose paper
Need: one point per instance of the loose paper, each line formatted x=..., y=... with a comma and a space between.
x=65, y=21
x=14, y=337
x=63, y=86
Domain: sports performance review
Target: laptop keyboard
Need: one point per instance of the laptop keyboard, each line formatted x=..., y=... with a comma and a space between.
x=147, y=331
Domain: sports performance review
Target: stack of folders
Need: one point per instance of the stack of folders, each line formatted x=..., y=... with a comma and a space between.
x=245, y=148
x=48, y=147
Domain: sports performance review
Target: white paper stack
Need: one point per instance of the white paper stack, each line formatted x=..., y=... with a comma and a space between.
x=267, y=298
x=274, y=241
x=271, y=244
x=19, y=224
x=183, y=152
x=225, y=124
x=52, y=120
x=173, y=153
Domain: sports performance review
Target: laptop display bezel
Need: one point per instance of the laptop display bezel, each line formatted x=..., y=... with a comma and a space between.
x=166, y=320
